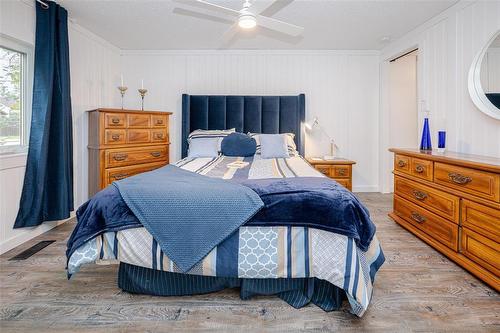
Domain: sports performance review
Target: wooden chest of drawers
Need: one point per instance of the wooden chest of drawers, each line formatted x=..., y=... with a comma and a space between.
x=339, y=169
x=123, y=143
x=452, y=202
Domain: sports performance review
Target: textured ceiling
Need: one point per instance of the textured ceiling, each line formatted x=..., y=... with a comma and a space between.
x=329, y=25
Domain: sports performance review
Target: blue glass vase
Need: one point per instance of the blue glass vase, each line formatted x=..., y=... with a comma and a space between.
x=425, y=143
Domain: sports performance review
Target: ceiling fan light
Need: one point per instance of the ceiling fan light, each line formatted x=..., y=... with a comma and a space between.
x=247, y=21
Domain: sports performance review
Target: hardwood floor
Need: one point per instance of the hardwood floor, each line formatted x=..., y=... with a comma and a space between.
x=417, y=289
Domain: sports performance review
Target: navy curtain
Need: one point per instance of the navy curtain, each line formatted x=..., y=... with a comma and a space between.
x=48, y=182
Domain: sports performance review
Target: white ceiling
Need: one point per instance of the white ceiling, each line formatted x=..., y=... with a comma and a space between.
x=329, y=24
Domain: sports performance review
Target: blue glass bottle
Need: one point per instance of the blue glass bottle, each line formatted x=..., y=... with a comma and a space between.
x=425, y=143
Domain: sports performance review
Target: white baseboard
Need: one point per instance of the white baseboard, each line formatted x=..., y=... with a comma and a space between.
x=26, y=234
x=366, y=188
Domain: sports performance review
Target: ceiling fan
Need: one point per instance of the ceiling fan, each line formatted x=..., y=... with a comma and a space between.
x=249, y=17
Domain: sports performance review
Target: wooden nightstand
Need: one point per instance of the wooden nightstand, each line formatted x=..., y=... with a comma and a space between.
x=338, y=169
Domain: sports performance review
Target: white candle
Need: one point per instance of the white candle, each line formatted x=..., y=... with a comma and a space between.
x=142, y=84
x=121, y=77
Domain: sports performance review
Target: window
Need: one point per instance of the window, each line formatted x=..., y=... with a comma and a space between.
x=15, y=95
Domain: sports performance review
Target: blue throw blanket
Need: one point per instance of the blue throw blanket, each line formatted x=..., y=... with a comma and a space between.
x=187, y=214
x=316, y=202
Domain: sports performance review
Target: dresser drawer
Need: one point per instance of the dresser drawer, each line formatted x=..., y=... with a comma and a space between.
x=114, y=174
x=402, y=163
x=481, y=219
x=139, y=120
x=435, y=226
x=480, y=249
x=115, y=120
x=476, y=182
x=114, y=136
x=138, y=136
x=439, y=202
x=422, y=168
x=159, y=135
x=341, y=171
x=130, y=156
x=159, y=121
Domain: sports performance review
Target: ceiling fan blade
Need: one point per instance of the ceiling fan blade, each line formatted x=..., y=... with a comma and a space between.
x=205, y=16
x=261, y=7
x=280, y=26
x=229, y=36
x=210, y=6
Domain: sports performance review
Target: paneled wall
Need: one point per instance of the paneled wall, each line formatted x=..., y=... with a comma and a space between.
x=341, y=87
x=94, y=69
x=447, y=45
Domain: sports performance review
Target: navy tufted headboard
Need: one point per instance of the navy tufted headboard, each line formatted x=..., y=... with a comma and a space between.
x=258, y=114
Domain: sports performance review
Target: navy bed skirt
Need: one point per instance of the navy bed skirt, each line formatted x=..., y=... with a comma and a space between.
x=297, y=292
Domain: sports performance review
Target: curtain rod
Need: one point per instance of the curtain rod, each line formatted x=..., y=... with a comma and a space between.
x=44, y=5
x=401, y=56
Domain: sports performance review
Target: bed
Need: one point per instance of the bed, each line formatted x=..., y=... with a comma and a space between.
x=310, y=240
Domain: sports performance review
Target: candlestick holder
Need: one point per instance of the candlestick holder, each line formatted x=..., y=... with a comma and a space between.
x=142, y=92
x=122, y=92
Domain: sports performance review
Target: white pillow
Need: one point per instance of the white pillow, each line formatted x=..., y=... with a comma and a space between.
x=274, y=146
x=204, y=147
x=203, y=134
x=292, y=147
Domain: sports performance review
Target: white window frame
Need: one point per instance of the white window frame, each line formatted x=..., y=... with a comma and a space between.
x=26, y=91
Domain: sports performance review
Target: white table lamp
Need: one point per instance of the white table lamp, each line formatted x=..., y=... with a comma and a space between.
x=310, y=126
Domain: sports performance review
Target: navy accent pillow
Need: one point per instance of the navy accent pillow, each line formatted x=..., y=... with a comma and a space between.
x=238, y=144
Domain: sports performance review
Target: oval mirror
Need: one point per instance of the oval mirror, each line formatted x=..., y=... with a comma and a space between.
x=484, y=78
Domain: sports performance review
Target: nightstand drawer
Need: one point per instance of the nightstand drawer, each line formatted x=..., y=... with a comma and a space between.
x=344, y=182
x=324, y=169
x=341, y=171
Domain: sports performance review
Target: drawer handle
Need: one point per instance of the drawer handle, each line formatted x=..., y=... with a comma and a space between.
x=417, y=217
x=401, y=163
x=119, y=176
x=159, y=121
x=115, y=137
x=156, y=154
x=419, y=195
x=459, y=179
x=323, y=171
x=159, y=136
x=342, y=172
x=115, y=120
x=120, y=157
x=419, y=168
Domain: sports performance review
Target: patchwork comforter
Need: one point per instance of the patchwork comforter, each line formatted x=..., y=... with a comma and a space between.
x=277, y=243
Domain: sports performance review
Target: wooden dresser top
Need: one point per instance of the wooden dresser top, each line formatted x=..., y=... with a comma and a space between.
x=127, y=111
x=485, y=163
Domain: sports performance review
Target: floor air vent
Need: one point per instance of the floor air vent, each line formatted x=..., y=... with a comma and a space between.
x=32, y=250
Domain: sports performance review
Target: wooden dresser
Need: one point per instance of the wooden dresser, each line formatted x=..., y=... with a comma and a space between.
x=452, y=202
x=338, y=169
x=123, y=143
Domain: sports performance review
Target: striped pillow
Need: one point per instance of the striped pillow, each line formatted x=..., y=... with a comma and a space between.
x=204, y=134
x=292, y=147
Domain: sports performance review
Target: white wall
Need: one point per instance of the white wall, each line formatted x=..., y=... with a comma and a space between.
x=447, y=45
x=94, y=69
x=341, y=87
